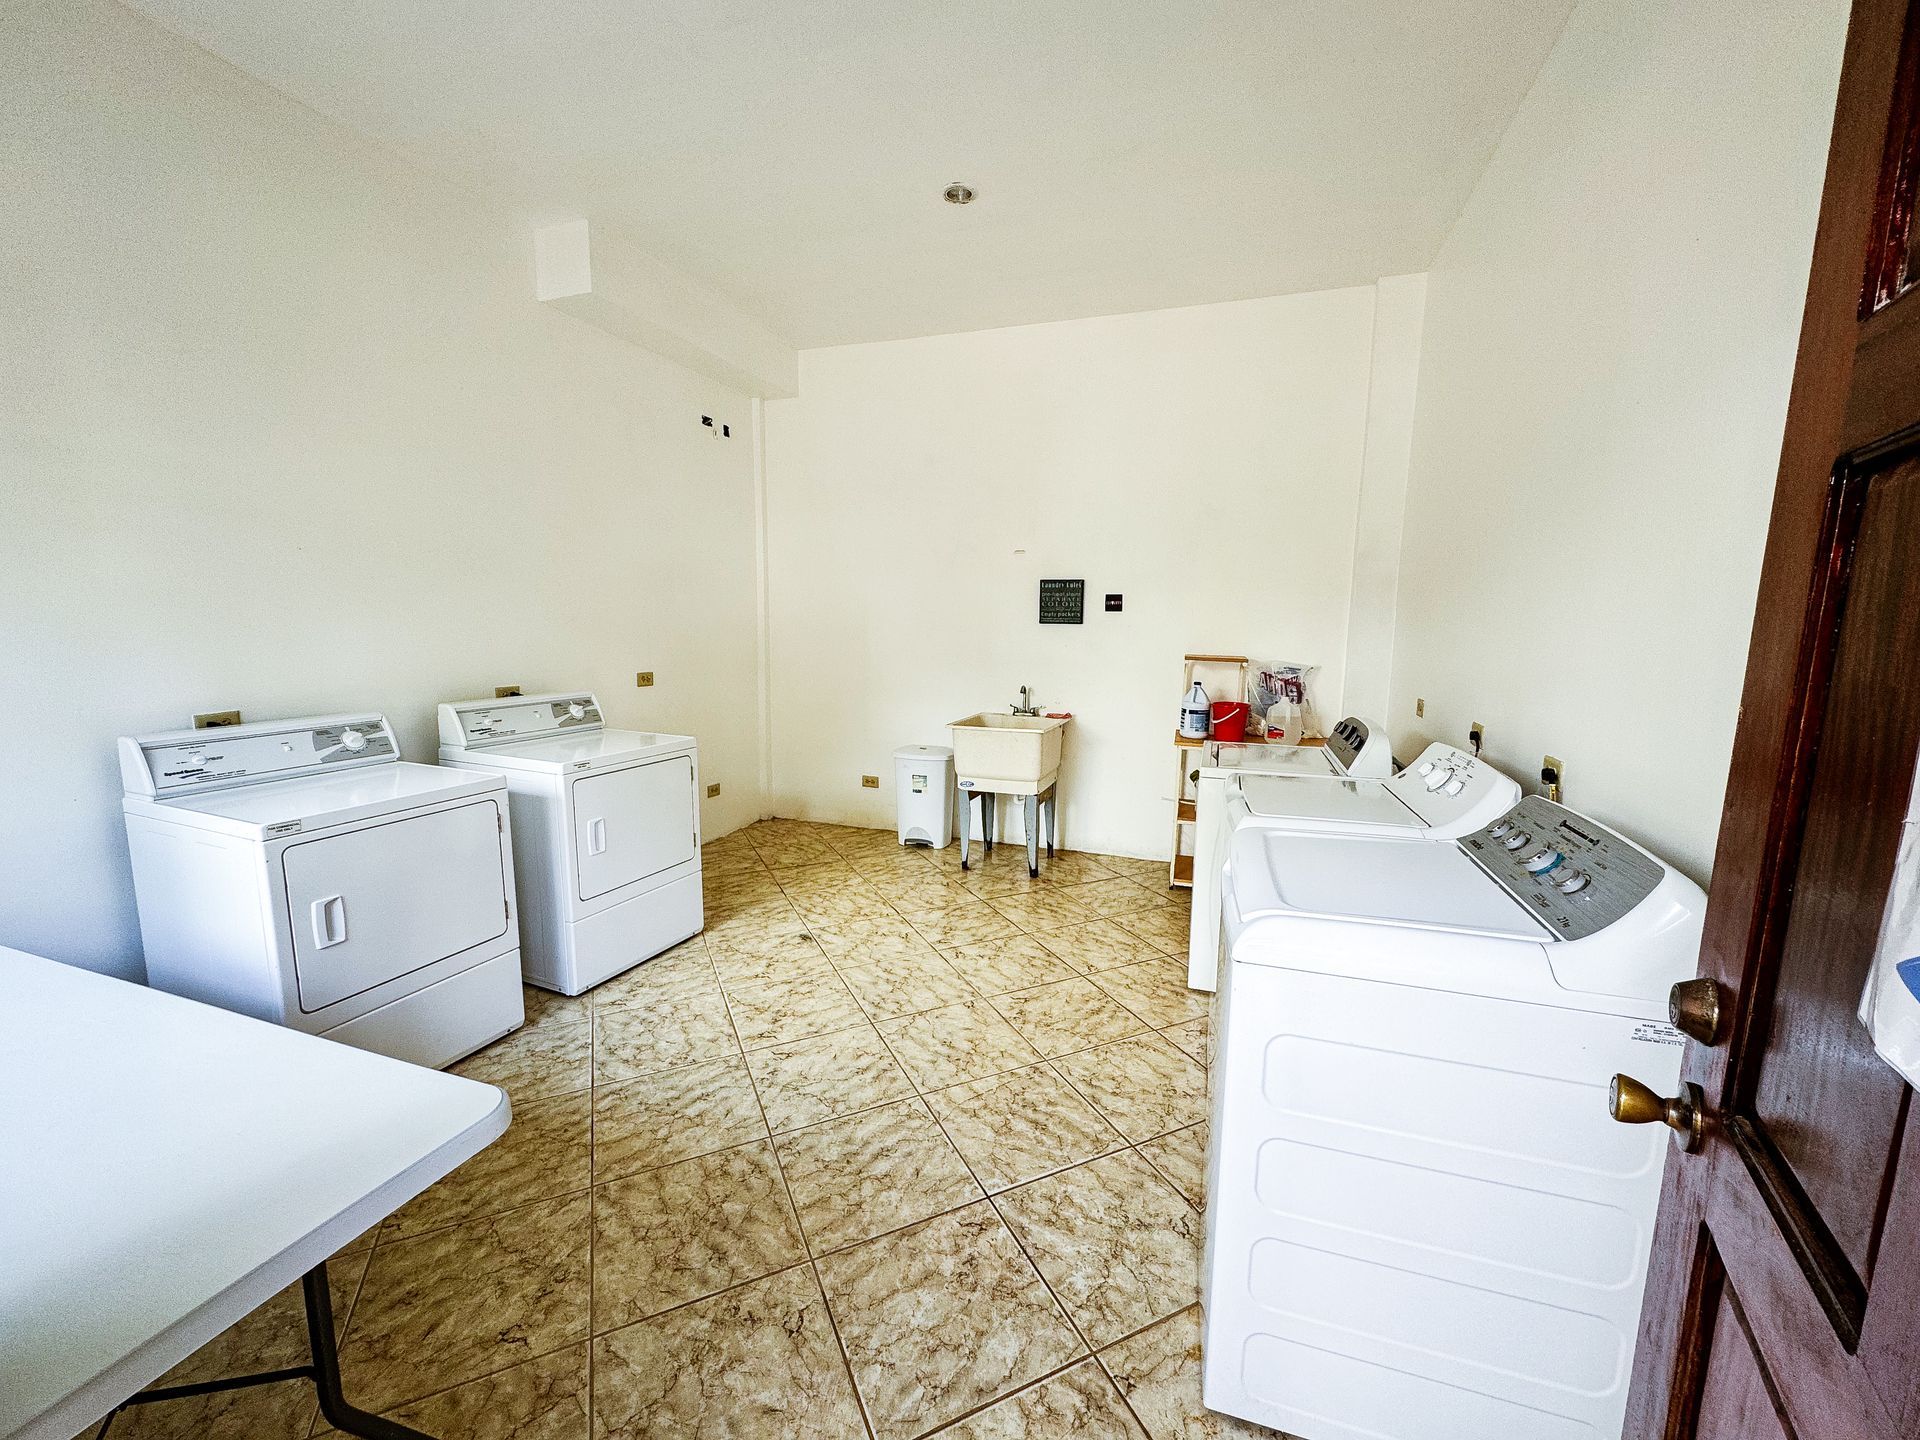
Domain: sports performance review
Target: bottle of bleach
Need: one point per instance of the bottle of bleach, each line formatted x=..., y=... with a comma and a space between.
x=1194, y=714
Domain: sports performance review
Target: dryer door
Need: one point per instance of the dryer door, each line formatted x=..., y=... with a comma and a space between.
x=370, y=905
x=632, y=823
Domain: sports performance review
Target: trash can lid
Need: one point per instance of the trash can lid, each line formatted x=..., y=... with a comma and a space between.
x=924, y=752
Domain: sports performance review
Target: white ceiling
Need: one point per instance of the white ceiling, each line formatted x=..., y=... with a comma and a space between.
x=1127, y=154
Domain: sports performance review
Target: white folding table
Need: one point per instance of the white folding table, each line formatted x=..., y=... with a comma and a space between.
x=167, y=1167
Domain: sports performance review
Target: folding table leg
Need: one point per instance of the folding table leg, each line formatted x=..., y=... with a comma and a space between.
x=345, y=1418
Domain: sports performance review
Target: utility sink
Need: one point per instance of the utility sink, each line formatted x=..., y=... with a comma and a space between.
x=1013, y=754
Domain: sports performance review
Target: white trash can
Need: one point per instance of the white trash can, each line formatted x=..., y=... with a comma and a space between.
x=923, y=785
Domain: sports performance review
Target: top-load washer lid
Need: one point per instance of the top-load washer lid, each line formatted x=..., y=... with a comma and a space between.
x=1254, y=757
x=1371, y=879
x=562, y=732
x=1443, y=794
x=1344, y=803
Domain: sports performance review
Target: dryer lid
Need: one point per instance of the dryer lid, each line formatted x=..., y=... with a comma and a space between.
x=594, y=749
x=1377, y=880
x=309, y=802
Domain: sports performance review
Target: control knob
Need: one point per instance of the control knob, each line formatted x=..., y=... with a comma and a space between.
x=1499, y=828
x=1573, y=882
x=1455, y=785
x=353, y=740
x=1438, y=778
x=1426, y=767
x=1517, y=839
x=575, y=710
x=1543, y=860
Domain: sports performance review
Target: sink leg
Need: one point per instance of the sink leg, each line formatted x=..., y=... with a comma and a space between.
x=966, y=818
x=987, y=820
x=1032, y=821
x=1053, y=812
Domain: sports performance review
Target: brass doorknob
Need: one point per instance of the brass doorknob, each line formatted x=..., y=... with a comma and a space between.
x=1632, y=1103
x=1694, y=1008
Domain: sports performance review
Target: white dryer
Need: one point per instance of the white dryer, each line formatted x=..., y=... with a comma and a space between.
x=301, y=872
x=606, y=830
x=1421, y=1221
x=1444, y=794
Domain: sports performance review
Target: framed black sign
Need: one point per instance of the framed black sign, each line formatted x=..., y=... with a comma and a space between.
x=1063, y=602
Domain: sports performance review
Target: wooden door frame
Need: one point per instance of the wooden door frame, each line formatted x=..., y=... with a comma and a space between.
x=1765, y=798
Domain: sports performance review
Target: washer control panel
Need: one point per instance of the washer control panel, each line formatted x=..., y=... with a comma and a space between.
x=473, y=723
x=1573, y=873
x=185, y=762
x=1348, y=739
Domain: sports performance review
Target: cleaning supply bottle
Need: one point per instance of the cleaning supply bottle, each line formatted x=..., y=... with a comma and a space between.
x=1194, y=713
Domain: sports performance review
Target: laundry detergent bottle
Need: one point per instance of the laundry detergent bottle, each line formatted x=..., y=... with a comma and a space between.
x=1194, y=713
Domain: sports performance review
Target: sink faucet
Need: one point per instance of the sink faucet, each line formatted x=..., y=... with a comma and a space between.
x=1026, y=705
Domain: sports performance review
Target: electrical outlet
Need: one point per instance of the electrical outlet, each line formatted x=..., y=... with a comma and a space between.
x=506, y=692
x=1477, y=735
x=1553, y=774
x=713, y=790
x=214, y=719
x=870, y=782
x=643, y=679
x=1419, y=707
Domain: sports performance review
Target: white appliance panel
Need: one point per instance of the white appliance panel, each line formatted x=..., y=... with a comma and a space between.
x=369, y=905
x=632, y=823
x=1421, y=1221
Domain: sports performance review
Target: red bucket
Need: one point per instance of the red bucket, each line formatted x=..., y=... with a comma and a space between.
x=1229, y=720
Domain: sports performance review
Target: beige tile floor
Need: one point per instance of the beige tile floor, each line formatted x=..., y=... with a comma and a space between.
x=891, y=1150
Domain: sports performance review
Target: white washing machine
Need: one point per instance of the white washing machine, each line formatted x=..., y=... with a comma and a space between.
x=606, y=828
x=300, y=871
x=1444, y=794
x=1421, y=1221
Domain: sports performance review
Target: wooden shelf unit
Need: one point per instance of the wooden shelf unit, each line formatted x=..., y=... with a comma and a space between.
x=1186, y=762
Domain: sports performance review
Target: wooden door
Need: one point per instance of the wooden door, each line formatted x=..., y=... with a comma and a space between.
x=1784, y=1298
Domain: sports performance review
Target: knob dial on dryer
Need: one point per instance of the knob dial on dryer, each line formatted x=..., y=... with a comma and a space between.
x=353, y=740
x=1543, y=860
x=1517, y=839
x=1438, y=778
x=575, y=710
x=1455, y=785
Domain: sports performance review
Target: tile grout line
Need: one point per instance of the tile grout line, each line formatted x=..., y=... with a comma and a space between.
x=806, y=1240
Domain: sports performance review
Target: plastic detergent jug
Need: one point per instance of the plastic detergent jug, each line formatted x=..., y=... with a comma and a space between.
x=1195, y=713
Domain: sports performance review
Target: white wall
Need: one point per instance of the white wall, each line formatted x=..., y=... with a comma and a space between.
x=283, y=428
x=1609, y=337
x=1205, y=463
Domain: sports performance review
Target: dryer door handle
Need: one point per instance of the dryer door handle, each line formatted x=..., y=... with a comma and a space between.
x=597, y=837
x=329, y=916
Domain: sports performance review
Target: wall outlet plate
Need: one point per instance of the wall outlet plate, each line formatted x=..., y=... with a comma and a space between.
x=214, y=719
x=502, y=692
x=870, y=782
x=1477, y=734
x=643, y=679
x=713, y=790
x=1419, y=707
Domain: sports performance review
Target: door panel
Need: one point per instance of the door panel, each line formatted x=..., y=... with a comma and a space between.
x=1737, y=1401
x=1819, y=1062
x=629, y=824
x=373, y=904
